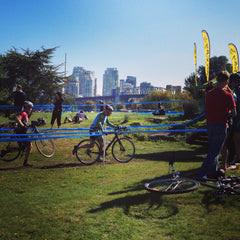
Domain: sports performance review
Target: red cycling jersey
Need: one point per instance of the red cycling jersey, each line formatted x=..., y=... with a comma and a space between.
x=24, y=116
x=218, y=104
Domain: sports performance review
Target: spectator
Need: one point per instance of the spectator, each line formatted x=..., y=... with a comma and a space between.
x=79, y=117
x=101, y=108
x=228, y=150
x=19, y=98
x=218, y=104
x=57, y=111
x=235, y=86
x=160, y=110
x=22, y=120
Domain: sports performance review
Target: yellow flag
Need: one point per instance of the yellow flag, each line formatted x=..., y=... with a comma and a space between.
x=234, y=57
x=207, y=52
x=195, y=62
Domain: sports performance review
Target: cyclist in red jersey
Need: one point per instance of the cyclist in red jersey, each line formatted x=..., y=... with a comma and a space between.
x=219, y=103
x=22, y=120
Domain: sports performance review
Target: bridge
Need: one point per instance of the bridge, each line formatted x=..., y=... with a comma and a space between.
x=114, y=99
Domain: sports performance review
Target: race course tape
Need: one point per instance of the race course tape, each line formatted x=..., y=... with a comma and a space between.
x=85, y=133
x=43, y=136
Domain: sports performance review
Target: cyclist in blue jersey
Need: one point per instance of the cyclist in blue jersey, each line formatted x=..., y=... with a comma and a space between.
x=97, y=126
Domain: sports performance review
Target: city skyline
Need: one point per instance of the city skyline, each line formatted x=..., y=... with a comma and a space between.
x=152, y=40
x=82, y=83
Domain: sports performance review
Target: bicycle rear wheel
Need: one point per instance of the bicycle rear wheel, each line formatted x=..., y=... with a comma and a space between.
x=9, y=151
x=87, y=155
x=172, y=185
x=45, y=147
x=123, y=150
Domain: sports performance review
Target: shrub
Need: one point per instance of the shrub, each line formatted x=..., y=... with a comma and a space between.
x=190, y=108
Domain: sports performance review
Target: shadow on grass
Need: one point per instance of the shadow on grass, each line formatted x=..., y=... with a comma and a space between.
x=61, y=165
x=212, y=198
x=156, y=206
x=178, y=156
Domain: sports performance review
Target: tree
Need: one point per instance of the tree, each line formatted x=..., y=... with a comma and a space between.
x=34, y=71
x=133, y=106
x=217, y=64
x=118, y=107
x=90, y=106
x=158, y=96
x=69, y=100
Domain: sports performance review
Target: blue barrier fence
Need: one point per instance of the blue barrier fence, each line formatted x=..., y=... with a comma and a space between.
x=84, y=132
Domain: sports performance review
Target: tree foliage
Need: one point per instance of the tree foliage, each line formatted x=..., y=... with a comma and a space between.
x=91, y=105
x=33, y=70
x=159, y=96
x=217, y=64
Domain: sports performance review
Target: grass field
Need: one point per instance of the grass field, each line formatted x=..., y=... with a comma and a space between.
x=59, y=198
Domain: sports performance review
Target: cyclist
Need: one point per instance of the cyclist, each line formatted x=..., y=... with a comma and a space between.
x=22, y=120
x=97, y=126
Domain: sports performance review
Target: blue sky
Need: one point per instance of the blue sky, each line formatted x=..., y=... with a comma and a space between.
x=150, y=39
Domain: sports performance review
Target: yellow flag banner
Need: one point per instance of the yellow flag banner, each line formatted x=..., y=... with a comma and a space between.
x=207, y=52
x=195, y=62
x=234, y=57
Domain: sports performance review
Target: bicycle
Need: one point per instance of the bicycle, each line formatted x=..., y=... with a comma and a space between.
x=223, y=186
x=123, y=149
x=10, y=151
x=174, y=184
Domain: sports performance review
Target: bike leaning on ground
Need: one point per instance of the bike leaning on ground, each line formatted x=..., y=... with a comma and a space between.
x=173, y=184
x=123, y=149
x=222, y=186
x=10, y=151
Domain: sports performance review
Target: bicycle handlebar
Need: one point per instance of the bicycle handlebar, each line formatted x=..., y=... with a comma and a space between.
x=119, y=129
x=25, y=128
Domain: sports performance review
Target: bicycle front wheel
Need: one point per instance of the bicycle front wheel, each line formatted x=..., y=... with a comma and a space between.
x=9, y=151
x=123, y=150
x=45, y=147
x=172, y=185
x=87, y=155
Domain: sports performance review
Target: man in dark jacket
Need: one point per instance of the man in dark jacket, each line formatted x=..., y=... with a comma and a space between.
x=19, y=98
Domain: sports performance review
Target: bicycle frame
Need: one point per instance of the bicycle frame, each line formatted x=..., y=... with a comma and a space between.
x=112, y=141
x=123, y=150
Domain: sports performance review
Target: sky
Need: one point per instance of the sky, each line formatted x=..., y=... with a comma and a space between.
x=152, y=40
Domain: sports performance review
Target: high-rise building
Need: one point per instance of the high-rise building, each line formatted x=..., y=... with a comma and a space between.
x=121, y=82
x=95, y=88
x=173, y=89
x=89, y=82
x=110, y=81
x=145, y=87
x=132, y=80
x=84, y=82
x=72, y=86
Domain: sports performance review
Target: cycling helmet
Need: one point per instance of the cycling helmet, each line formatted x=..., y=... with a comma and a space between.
x=108, y=107
x=28, y=104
